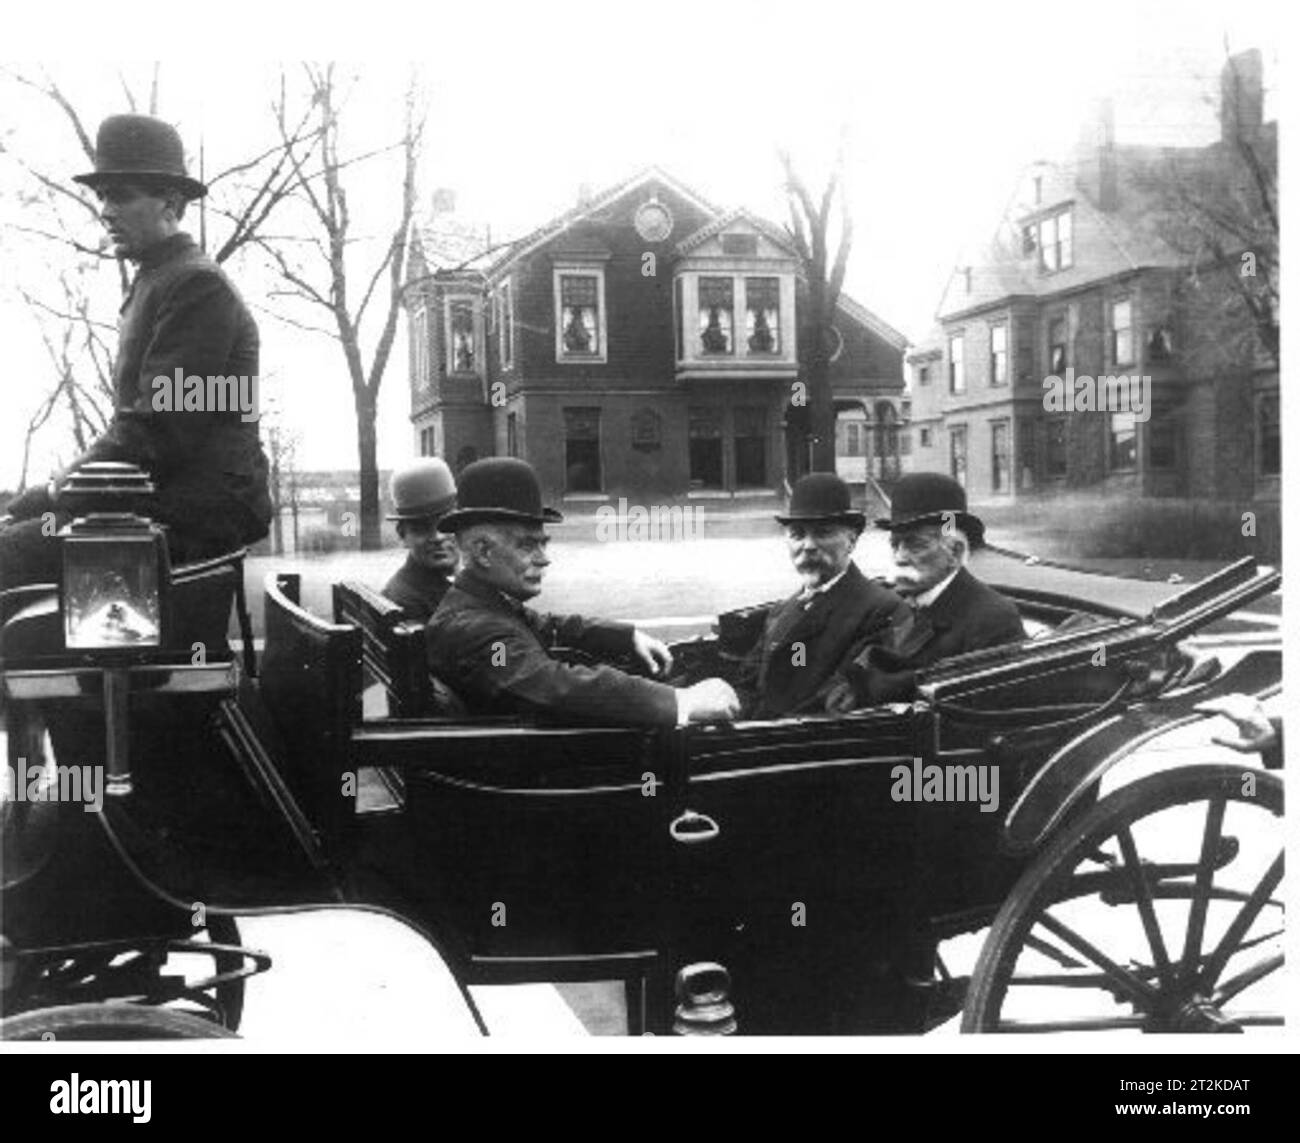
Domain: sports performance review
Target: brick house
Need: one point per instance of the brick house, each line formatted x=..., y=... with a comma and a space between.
x=1083, y=281
x=644, y=344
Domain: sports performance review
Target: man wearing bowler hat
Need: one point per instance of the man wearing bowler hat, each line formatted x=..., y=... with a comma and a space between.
x=423, y=492
x=182, y=316
x=835, y=615
x=932, y=535
x=496, y=653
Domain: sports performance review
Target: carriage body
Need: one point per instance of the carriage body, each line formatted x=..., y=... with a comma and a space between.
x=805, y=847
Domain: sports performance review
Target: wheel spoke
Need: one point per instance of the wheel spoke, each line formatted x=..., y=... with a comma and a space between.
x=1201, y=899
x=1243, y=980
x=1146, y=910
x=1049, y=950
x=1137, y=991
x=1242, y=921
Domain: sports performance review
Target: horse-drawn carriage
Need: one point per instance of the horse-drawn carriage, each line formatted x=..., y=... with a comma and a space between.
x=821, y=860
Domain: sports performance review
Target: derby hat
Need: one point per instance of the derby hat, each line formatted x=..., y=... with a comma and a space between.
x=824, y=497
x=140, y=147
x=931, y=498
x=422, y=490
x=498, y=489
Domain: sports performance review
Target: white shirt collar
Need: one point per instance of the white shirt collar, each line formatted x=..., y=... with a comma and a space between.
x=808, y=592
x=927, y=597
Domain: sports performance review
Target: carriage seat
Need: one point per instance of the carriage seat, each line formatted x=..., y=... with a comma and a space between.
x=392, y=653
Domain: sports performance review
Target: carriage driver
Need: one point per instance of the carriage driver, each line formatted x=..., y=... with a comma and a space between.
x=496, y=653
x=181, y=316
x=423, y=492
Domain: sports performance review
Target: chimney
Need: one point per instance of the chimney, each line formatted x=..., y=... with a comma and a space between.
x=1241, y=96
x=1095, y=156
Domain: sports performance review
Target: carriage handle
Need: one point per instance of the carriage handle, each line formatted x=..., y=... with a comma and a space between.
x=691, y=828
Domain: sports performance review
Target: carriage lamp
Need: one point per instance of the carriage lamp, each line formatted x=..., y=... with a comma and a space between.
x=115, y=568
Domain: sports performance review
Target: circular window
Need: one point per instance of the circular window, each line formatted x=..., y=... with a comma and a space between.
x=653, y=221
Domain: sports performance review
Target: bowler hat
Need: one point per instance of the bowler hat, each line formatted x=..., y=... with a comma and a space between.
x=931, y=498
x=422, y=490
x=821, y=496
x=140, y=147
x=498, y=488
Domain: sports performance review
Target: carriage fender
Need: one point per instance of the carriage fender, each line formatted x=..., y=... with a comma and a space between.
x=1077, y=767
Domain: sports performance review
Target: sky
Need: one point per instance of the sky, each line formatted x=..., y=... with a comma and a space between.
x=939, y=107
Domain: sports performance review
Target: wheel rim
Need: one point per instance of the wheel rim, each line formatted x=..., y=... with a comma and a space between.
x=1157, y=911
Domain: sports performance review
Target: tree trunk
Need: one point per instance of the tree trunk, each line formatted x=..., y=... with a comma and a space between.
x=371, y=540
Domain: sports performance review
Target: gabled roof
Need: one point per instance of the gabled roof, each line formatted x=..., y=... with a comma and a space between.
x=864, y=316
x=524, y=246
x=769, y=230
x=1106, y=242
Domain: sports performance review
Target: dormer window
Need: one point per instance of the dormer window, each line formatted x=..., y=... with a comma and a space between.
x=717, y=315
x=1053, y=238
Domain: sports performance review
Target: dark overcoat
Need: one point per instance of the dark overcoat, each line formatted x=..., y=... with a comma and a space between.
x=183, y=313
x=806, y=641
x=495, y=654
x=417, y=590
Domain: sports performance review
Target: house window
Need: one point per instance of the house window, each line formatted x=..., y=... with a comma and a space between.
x=740, y=245
x=751, y=446
x=957, y=453
x=1001, y=456
x=956, y=364
x=716, y=315
x=580, y=315
x=1160, y=345
x=925, y=438
x=677, y=317
x=705, y=446
x=854, y=434
x=420, y=348
x=763, y=315
x=1027, y=453
x=1054, y=459
x=1054, y=240
x=512, y=434
x=1162, y=439
x=923, y=375
x=998, y=355
x=461, y=350
x=506, y=327
x=1121, y=332
x=1123, y=442
x=1057, y=342
x=1269, y=429
x=582, y=450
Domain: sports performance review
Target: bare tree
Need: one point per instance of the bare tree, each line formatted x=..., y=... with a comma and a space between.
x=64, y=222
x=1219, y=208
x=811, y=229
x=319, y=272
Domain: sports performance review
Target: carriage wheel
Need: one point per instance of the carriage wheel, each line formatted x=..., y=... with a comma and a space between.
x=1174, y=879
x=110, y=1022
x=230, y=993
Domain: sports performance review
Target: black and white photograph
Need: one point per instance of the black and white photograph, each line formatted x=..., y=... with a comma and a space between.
x=539, y=524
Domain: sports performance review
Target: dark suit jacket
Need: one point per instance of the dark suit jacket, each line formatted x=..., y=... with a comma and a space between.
x=417, y=590
x=832, y=627
x=208, y=466
x=496, y=655
x=967, y=616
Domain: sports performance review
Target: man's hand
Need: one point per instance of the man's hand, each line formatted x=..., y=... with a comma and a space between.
x=1257, y=733
x=711, y=700
x=653, y=653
